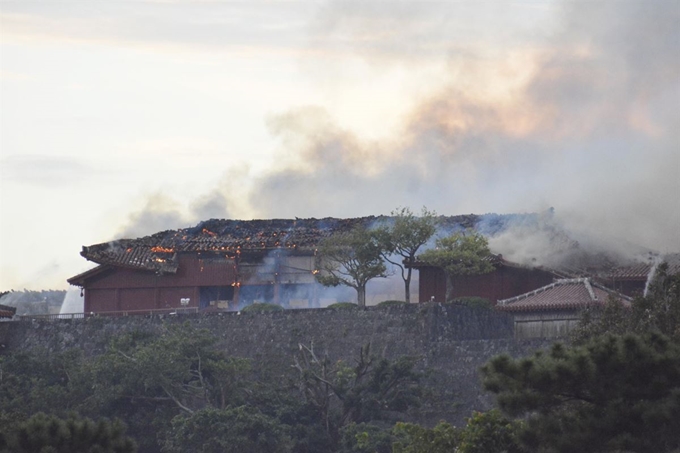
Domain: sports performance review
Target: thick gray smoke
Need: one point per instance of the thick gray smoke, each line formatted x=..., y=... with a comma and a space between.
x=593, y=133
x=163, y=213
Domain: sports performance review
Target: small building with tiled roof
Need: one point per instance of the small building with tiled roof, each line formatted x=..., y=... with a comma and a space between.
x=7, y=312
x=554, y=310
x=508, y=279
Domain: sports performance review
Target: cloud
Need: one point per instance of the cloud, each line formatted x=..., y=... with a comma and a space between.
x=158, y=26
x=45, y=171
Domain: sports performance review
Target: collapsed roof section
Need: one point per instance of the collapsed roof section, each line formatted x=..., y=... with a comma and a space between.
x=564, y=294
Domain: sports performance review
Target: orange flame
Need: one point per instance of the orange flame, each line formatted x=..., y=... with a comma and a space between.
x=159, y=249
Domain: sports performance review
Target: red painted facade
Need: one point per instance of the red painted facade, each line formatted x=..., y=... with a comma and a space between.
x=204, y=281
x=122, y=289
x=504, y=282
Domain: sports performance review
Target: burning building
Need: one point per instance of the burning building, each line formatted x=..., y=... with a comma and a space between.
x=228, y=264
x=218, y=264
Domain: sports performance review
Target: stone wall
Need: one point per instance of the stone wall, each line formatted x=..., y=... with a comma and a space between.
x=451, y=342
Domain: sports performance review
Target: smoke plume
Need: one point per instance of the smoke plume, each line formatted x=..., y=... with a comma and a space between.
x=592, y=130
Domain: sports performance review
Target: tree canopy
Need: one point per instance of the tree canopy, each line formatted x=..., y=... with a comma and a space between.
x=350, y=259
x=401, y=240
x=614, y=393
x=462, y=253
x=43, y=433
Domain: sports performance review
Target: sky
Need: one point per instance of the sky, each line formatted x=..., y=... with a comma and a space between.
x=124, y=118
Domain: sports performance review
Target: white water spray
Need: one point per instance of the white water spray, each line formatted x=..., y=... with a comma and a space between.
x=652, y=273
x=73, y=302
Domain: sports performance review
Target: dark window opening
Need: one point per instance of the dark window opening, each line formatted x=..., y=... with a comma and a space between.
x=216, y=296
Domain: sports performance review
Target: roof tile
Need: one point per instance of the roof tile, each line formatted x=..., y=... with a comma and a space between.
x=562, y=294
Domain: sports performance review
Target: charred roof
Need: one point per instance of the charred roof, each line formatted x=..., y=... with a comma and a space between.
x=158, y=252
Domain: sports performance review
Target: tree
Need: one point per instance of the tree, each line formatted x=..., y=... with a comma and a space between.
x=412, y=438
x=344, y=394
x=230, y=430
x=462, y=253
x=180, y=367
x=350, y=259
x=614, y=393
x=365, y=438
x=489, y=432
x=50, y=434
x=403, y=238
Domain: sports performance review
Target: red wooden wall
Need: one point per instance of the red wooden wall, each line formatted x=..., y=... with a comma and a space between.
x=121, y=289
x=503, y=283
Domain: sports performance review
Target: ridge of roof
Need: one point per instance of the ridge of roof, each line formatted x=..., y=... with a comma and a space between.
x=587, y=283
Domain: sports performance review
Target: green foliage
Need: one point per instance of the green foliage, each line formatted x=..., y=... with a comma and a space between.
x=230, y=430
x=259, y=307
x=365, y=438
x=474, y=302
x=369, y=391
x=658, y=311
x=401, y=240
x=463, y=253
x=489, y=432
x=412, y=438
x=613, y=318
x=180, y=367
x=41, y=381
x=392, y=303
x=350, y=259
x=49, y=434
x=343, y=305
x=612, y=393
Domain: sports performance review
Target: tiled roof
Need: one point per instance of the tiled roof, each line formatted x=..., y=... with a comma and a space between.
x=496, y=260
x=641, y=271
x=563, y=294
x=7, y=311
x=158, y=252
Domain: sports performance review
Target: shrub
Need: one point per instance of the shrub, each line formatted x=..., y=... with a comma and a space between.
x=343, y=305
x=474, y=302
x=262, y=307
x=392, y=303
